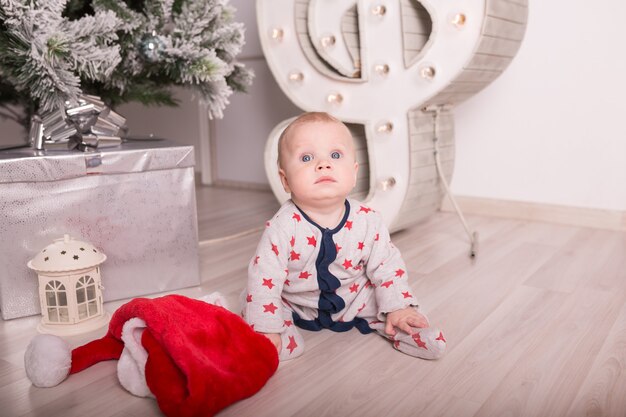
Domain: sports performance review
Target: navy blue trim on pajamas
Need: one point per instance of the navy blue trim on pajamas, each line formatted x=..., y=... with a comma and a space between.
x=329, y=302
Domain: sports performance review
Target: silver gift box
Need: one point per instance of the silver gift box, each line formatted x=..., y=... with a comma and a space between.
x=135, y=202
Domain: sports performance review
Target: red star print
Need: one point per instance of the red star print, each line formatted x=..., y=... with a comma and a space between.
x=275, y=249
x=304, y=275
x=269, y=308
x=361, y=309
x=349, y=225
x=297, y=217
x=399, y=272
x=337, y=247
x=387, y=284
x=249, y=298
x=286, y=273
x=354, y=287
x=365, y=209
x=406, y=294
x=418, y=341
x=288, y=323
x=294, y=256
x=441, y=337
x=361, y=245
x=347, y=263
x=396, y=343
x=268, y=283
x=312, y=241
x=287, y=282
x=369, y=284
x=292, y=241
x=256, y=260
x=292, y=344
x=377, y=237
x=358, y=267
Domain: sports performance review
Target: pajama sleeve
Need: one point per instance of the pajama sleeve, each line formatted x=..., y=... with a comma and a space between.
x=387, y=271
x=266, y=278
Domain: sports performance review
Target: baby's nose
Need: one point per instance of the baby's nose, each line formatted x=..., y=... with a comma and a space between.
x=323, y=165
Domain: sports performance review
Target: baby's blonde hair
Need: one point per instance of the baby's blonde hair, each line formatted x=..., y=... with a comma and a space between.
x=308, y=117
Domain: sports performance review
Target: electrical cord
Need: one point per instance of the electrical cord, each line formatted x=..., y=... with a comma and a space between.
x=473, y=235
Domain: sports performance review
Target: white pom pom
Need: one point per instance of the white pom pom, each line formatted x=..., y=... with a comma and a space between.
x=47, y=360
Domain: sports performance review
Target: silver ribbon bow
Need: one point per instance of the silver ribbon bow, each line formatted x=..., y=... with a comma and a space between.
x=83, y=125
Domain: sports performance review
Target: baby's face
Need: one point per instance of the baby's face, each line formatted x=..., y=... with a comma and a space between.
x=318, y=163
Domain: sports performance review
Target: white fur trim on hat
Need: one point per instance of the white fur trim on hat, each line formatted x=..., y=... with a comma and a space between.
x=131, y=368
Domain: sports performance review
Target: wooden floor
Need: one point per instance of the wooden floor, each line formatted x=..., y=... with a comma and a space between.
x=535, y=327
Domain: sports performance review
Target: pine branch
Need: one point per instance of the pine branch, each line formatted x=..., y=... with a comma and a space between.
x=240, y=78
x=130, y=50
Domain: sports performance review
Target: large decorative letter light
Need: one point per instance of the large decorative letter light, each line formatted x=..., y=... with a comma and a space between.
x=392, y=70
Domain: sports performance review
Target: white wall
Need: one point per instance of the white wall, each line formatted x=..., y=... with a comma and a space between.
x=239, y=139
x=179, y=124
x=12, y=133
x=551, y=128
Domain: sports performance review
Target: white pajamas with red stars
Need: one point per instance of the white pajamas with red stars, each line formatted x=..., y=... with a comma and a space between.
x=312, y=277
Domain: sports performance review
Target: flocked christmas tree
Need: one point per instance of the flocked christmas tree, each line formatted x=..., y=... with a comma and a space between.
x=53, y=50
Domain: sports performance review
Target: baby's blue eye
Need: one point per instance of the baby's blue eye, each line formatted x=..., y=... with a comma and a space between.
x=335, y=155
x=306, y=158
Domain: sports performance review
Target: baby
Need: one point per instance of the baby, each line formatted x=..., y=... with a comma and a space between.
x=326, y=261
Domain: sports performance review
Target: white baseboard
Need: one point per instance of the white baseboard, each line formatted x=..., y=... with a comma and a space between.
x=242, y=185
x=575, y=216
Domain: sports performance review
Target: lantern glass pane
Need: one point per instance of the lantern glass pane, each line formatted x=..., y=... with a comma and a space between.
x=62, y=298
x=82, y=311
x=64, y=315
x=91, y=292
x=80, y=295
x=53, y=315
x=93, y=308
x=51, y=300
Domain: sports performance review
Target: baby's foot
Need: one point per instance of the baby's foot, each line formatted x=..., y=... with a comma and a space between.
x=425, y=343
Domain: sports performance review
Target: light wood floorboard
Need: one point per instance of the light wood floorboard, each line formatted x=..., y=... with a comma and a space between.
x=536, y=326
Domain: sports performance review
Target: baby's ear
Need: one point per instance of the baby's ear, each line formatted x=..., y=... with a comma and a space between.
x=356, y=171
x=283, y=180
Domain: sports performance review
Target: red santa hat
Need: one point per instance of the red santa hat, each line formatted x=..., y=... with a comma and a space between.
x=195, y=358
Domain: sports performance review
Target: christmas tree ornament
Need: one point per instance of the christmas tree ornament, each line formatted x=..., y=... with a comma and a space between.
x=70, y=287
x=151, y=47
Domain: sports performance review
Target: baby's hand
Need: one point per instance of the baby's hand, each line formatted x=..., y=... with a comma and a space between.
x=404, y=319
x=275, y=339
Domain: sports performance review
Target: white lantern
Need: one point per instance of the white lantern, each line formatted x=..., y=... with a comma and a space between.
x=70, y=287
